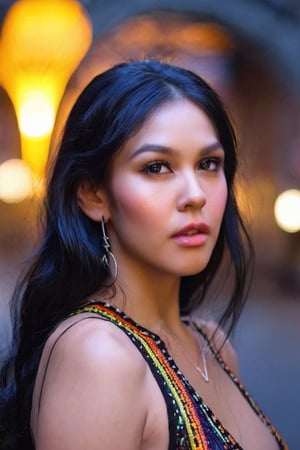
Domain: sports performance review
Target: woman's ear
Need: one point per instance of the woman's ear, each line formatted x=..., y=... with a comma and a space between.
x=93, y=201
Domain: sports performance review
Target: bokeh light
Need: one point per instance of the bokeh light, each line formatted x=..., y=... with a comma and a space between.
x=287, y=210
x=16, y=181
x=41, y=44
x=37, y=114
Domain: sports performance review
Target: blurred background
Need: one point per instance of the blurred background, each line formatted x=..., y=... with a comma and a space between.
x=248, y=50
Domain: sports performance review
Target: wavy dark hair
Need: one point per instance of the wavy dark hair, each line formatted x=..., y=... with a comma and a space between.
x=67, y=268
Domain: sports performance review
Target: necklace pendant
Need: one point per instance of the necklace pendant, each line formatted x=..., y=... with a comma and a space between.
x=203, y=374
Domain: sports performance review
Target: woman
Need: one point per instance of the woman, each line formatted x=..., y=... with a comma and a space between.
x=140, y=217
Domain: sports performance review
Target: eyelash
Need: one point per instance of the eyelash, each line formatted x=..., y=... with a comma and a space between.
x=147, y=168
x=213, y=160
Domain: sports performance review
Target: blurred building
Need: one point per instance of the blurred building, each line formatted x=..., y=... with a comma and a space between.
x=249, y=51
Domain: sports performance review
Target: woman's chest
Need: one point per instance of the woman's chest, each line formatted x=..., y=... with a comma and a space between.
x=219, y=417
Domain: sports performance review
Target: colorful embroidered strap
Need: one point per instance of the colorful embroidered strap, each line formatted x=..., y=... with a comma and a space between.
x=244, y=392
x=192, y=425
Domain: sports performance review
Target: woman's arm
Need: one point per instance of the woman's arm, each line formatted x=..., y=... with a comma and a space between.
x=92, y=398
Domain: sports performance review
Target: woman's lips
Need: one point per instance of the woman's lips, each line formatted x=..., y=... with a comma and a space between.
x=192, y=235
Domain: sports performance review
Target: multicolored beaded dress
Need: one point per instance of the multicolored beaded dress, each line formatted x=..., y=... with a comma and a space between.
x=192, y=425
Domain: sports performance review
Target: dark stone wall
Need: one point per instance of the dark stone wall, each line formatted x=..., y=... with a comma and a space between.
x=271, y=26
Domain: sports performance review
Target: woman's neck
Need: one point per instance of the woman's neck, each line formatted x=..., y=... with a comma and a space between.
x=149, y=298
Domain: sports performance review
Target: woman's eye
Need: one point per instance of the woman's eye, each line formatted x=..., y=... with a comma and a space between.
x=155, y=168
x=210, y=164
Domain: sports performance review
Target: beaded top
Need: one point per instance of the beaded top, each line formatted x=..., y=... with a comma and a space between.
x=192, y=424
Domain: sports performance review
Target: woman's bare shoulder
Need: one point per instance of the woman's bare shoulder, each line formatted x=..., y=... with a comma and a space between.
x=90, y=339
x=89, y=377
x=89, y=335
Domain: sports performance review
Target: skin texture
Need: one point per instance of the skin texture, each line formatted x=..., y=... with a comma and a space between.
x=161, y=183
x=99, y=392
x=153, y=194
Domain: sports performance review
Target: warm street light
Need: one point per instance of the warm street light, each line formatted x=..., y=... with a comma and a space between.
x=42, y=43
x=16, y=181
x=287, y=210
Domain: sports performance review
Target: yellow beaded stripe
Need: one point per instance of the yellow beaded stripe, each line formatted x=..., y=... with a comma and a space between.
x=192, y=423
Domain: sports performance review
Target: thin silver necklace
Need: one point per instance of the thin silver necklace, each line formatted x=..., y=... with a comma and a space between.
x=203, y=350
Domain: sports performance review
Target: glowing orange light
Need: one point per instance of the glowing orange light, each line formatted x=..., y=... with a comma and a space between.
x=36, y=114
x=42, y=43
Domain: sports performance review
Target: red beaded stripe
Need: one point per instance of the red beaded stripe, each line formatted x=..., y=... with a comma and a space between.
x=192, y=423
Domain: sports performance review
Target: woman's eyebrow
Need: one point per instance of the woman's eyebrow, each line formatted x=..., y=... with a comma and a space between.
x=149, y=148
x=210, y=148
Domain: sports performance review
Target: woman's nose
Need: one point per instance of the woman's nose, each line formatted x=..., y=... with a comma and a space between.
x=191, y=193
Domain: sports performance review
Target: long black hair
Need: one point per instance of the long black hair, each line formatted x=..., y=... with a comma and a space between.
x=67, y=268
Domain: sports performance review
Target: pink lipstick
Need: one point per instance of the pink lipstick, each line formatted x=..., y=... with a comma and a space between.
x=192, y=235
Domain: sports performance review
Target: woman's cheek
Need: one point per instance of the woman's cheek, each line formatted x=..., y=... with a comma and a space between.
x=136, y=201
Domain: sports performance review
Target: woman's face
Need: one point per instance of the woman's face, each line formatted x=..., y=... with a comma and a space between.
x=168, y=193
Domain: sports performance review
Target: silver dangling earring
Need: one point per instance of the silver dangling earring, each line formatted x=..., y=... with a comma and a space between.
x=108, y=253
